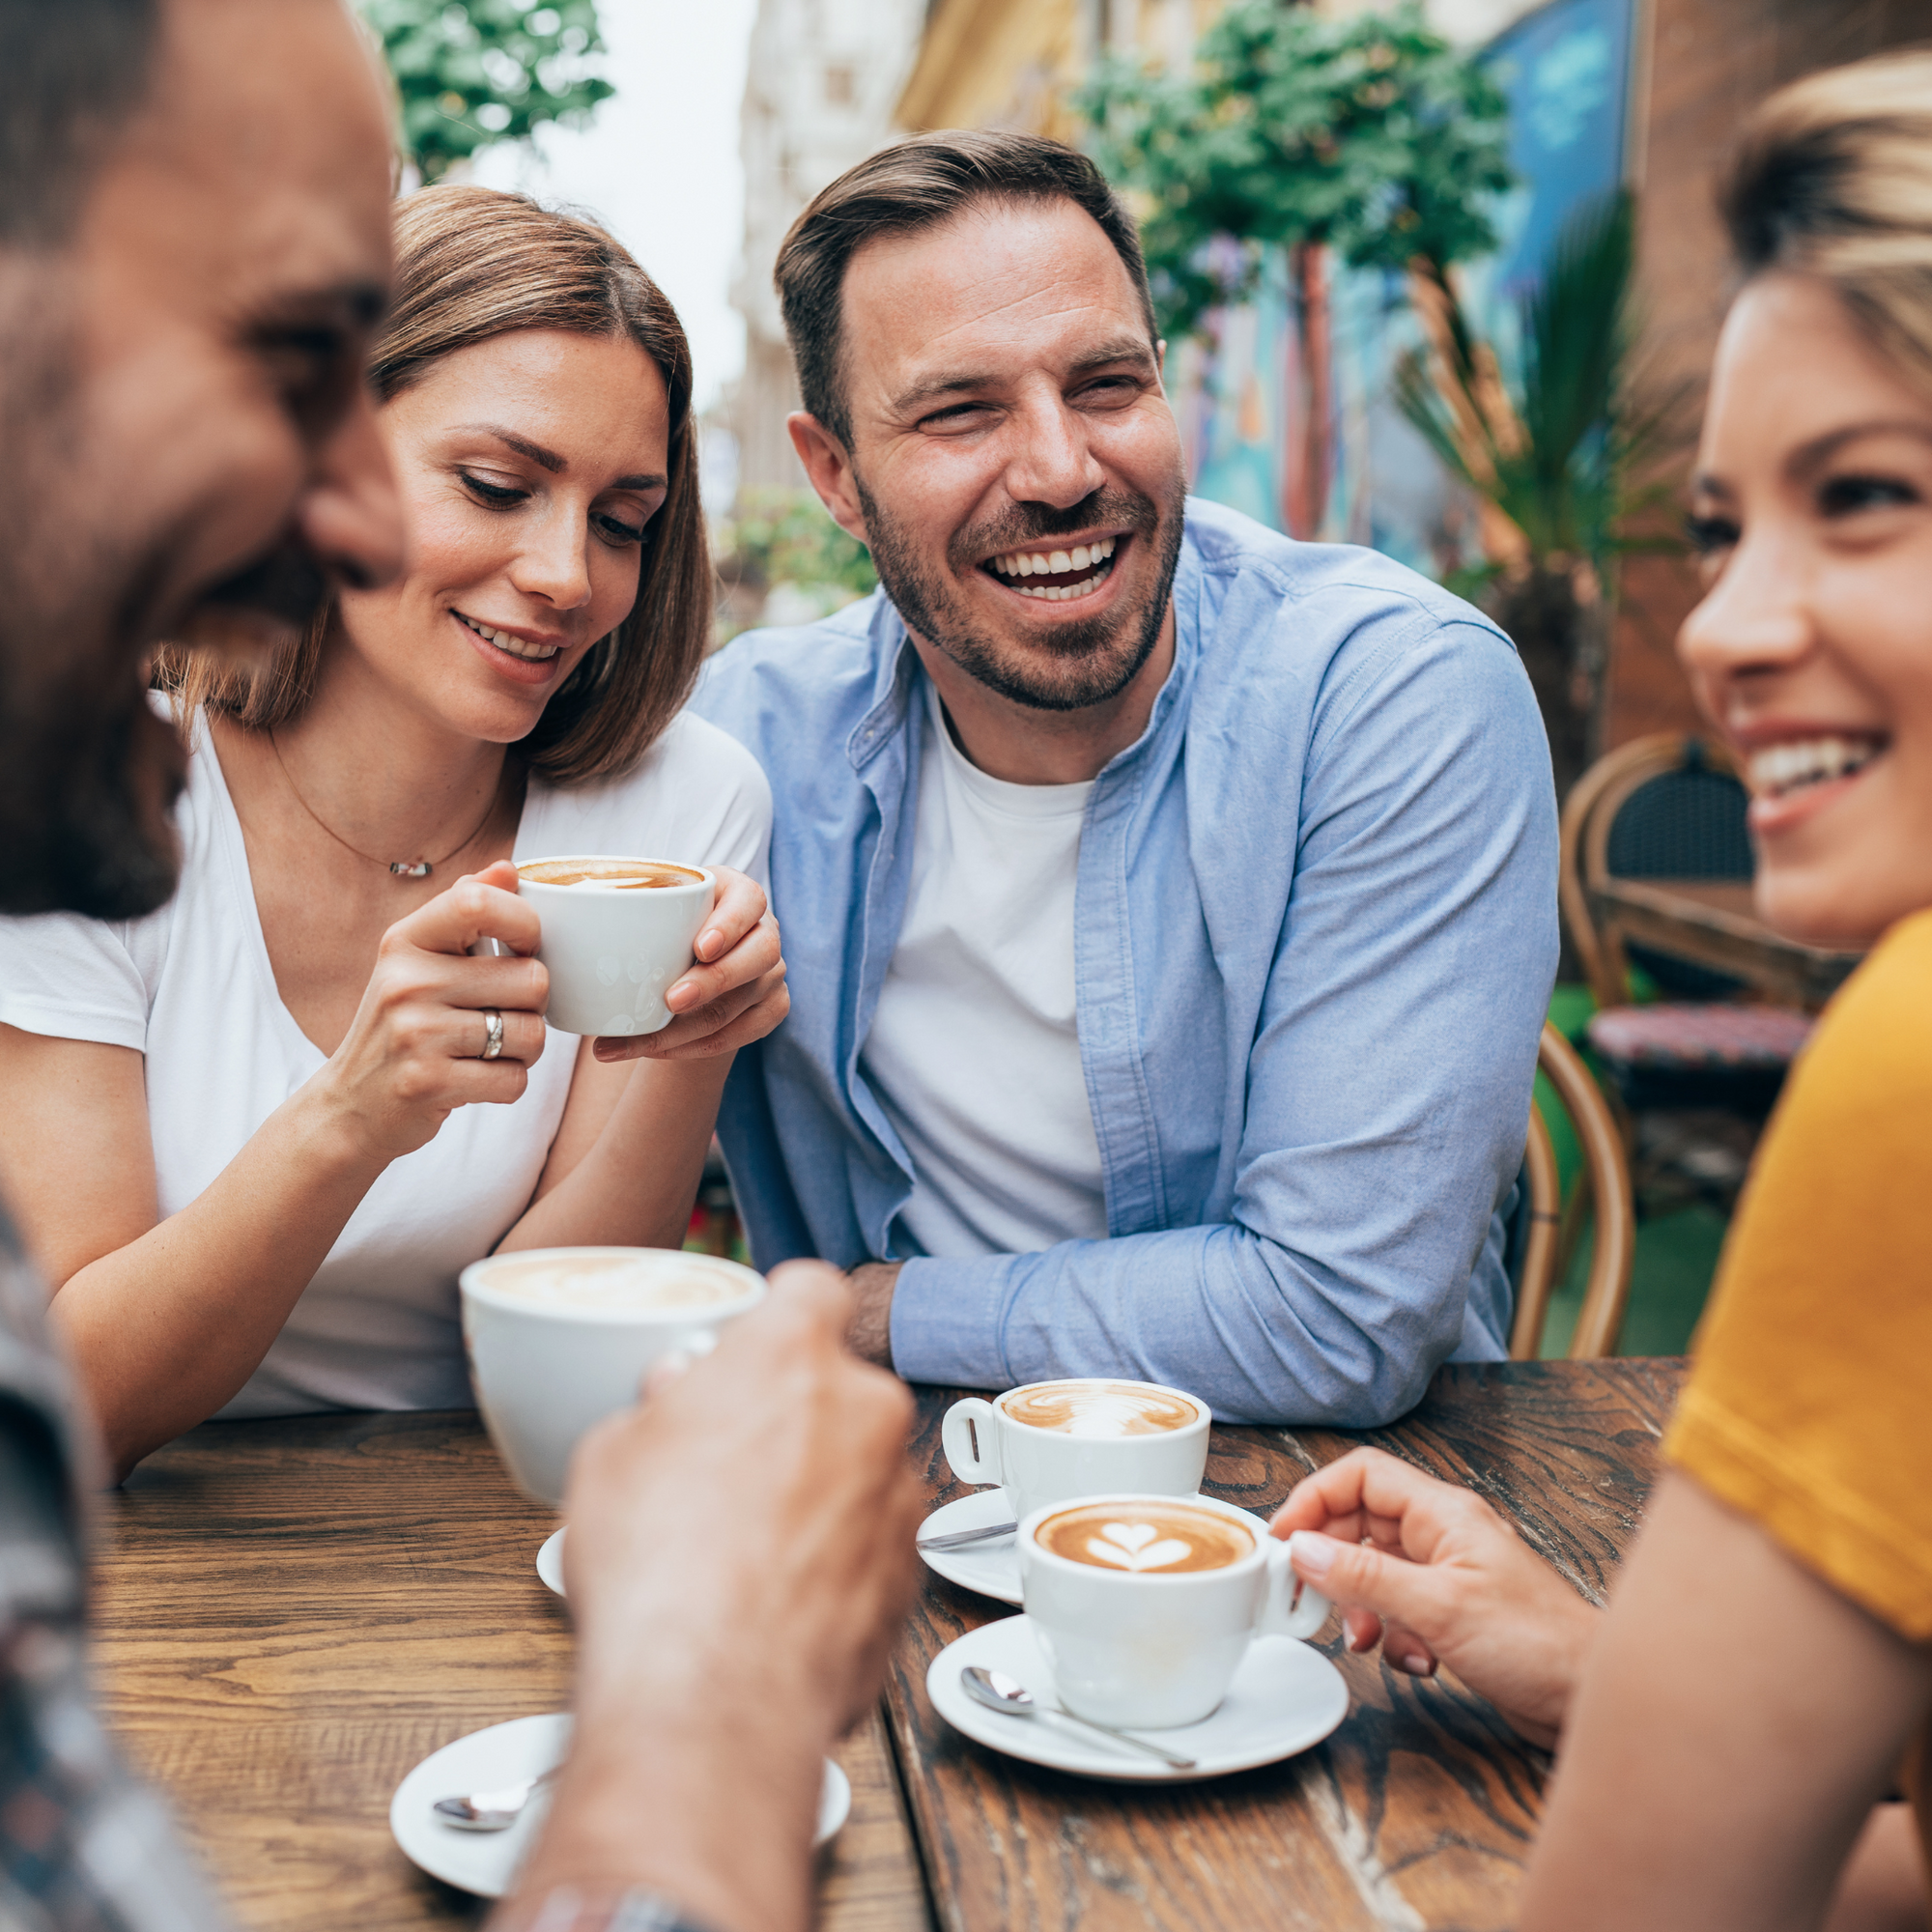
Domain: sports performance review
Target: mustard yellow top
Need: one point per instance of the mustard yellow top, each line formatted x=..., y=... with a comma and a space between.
x=1808, y=1403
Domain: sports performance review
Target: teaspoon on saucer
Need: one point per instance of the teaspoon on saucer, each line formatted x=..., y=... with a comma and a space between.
x=998, y=1692
x=492, y=1811
x=955, y=1539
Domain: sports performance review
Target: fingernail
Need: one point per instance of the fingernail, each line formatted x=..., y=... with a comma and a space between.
x=1312, y=1555
x=708, y=943
x=1415, y=1664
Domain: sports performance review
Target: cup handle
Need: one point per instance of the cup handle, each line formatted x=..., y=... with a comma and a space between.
x=1291, y=1608
x=956, y=1438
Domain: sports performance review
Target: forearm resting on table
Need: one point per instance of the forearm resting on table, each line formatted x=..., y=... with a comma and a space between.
x=167, y=1327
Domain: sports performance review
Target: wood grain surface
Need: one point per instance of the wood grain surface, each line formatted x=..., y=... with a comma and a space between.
x=1416, y=1813
x=289, y=1615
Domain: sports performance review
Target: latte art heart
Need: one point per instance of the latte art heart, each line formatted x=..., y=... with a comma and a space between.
x=1127, y=1543
x=1155, y=1538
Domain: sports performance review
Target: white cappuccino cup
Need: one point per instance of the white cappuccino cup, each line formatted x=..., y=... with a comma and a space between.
x=559, y=1338
x=618, y=933
x=1136, y=1637
x=1079, y=1436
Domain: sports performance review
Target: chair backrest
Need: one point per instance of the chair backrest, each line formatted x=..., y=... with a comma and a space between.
x=1605, y=1183
x=1666, y=807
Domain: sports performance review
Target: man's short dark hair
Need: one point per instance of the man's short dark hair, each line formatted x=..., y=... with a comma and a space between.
x=72, y=74
x=914, y=185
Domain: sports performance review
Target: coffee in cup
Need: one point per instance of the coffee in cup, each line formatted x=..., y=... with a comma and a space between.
x=1146, y=1605
x=559, y=1338
x=1079, y=1436
x=610, y=875
x=616, y=932
x=1168, y=1539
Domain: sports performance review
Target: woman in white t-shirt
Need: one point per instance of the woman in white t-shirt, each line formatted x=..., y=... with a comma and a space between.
x=241, y=1132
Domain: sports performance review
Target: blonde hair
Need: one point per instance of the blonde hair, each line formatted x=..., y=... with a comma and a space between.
x=473, y=264
x=1832, y=177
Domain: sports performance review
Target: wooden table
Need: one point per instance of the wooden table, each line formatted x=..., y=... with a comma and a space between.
x=291, y=1615
x=1714, y=924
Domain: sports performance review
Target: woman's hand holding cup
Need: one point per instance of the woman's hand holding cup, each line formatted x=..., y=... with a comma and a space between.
x=1434, y=1572
x=734, y=993
x=415, y=1050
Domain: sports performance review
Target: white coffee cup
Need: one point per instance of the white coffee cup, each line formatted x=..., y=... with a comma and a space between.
x=610, y=953
x=1143, y=1651
x=985, y=1443
x=548, y=1359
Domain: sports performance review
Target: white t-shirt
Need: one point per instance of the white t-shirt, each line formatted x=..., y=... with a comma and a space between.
x=190, y=986
x=974, y=1050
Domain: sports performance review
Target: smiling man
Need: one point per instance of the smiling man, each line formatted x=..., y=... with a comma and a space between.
x=1170, y=906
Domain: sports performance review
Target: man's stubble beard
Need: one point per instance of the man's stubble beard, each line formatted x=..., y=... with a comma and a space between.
x=1070, y=666
x=88, y=775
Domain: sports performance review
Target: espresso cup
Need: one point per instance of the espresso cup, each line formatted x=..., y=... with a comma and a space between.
x=1081, y=1436
x=1146, y=1604
x=616, y=932
x=559, y=1338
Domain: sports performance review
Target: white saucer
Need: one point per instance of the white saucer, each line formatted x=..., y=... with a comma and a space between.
x=486, y=1861
x=550, y=1562
x=1284, y=1698
x=991, y=1568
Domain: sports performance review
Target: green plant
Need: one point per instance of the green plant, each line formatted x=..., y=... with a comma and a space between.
x=785, y=536
x=470, y=72
x=1569, y=463
x=1371, y=137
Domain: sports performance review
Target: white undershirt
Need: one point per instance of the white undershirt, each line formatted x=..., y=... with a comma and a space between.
x=974, y=1050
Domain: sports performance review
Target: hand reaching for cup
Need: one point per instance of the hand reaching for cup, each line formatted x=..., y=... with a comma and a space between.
x=1437, y=1575
x=735, y=993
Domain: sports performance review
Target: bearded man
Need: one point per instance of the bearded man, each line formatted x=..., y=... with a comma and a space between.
x=194, y=247
x=1170, y=908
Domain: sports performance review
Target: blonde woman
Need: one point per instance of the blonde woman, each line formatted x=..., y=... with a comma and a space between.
x=1764, y=1675
x=255, y=1136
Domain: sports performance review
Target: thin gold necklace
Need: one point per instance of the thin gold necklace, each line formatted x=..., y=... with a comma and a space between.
x=403, y=869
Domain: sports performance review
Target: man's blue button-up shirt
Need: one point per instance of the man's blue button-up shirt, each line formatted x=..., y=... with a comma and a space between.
x=1315, y=934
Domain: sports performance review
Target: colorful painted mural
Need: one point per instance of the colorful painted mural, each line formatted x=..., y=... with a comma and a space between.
x=1565, y=69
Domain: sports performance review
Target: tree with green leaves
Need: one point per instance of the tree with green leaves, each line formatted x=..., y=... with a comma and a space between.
x=1369, y=138
x=1568, y=462
x=471, y=72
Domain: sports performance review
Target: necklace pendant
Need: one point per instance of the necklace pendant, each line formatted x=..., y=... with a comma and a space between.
x=409, y=869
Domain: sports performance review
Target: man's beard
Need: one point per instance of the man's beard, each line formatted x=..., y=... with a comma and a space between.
x=1060, y=666
x=88, y=775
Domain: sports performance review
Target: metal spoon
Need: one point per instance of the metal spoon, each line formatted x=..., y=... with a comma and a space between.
x=492, y=1811
x=954, y=1538
x=998, y=1692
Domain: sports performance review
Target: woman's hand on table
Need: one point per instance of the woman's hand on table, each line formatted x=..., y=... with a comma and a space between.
x=1434, y=1573
x=415, y=1050
x=735, y=993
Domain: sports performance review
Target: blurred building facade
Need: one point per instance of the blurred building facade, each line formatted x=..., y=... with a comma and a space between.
x=1650, y=92
x=823, y=81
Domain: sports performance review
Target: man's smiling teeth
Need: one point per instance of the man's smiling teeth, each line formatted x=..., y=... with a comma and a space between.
x=1798, y=762
x=503, y=642
x=1095, y=557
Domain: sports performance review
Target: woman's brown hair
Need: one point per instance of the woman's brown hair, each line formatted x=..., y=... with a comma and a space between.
x=473, y=264
x=1832, y=177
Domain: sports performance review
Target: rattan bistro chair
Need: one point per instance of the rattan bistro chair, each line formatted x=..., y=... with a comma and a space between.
x=1662, y=809
x=1603, y=1184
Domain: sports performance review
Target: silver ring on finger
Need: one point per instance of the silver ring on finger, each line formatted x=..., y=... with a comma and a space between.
x=493, y=1034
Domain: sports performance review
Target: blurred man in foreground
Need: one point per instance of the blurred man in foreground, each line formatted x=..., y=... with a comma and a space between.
x=193, y=247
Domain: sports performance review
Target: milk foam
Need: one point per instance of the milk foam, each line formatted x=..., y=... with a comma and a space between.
x=1118, y=1536
x=1097, y=1408
x=614, y=1284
